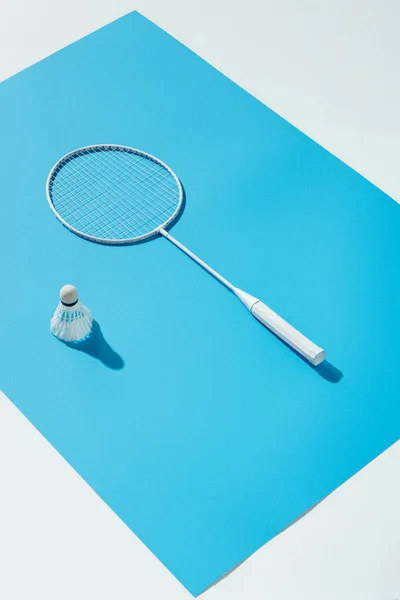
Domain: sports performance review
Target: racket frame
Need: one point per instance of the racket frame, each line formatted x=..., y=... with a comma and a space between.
x=112, y=242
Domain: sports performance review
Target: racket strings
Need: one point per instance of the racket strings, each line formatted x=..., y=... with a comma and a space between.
x=113, y=194
x=119, y=184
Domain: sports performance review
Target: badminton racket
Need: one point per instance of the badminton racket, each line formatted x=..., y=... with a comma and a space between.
x=113, y=194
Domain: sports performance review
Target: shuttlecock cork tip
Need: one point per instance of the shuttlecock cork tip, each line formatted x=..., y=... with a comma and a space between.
x=69, y=295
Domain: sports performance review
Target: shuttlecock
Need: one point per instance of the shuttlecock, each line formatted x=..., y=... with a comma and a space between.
x=72, y=321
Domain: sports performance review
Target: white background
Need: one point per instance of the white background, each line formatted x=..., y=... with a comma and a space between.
x=332, y=69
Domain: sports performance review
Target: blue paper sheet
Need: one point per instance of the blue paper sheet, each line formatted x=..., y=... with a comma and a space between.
x=198, y=427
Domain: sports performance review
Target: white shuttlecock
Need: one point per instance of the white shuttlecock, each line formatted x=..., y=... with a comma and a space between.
x=72, y=321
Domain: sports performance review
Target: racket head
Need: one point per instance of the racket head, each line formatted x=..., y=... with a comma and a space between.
x=113, y=194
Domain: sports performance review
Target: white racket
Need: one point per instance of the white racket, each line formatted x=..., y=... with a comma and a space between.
x=114, y=194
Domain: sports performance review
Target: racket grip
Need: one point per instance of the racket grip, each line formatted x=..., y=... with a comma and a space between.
x=313, y=353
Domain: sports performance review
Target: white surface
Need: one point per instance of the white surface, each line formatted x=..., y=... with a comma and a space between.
x=328, y=66
x=58, y=539
x=331, y=68
x=347, y=548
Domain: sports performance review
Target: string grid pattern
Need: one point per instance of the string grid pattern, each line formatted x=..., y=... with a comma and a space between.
x=113, y=193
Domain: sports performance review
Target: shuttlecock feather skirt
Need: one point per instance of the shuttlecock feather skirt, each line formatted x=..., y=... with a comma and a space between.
x=71, y=323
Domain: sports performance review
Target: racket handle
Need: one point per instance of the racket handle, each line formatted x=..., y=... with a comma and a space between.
x=286, y=332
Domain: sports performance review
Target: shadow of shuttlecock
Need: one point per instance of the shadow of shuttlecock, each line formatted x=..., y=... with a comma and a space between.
x=95, y=345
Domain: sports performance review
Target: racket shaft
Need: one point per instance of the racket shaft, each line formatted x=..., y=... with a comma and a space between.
x=288, y=333
x=296, y=340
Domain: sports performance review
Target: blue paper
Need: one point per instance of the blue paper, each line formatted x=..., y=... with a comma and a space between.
x=199, y=428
